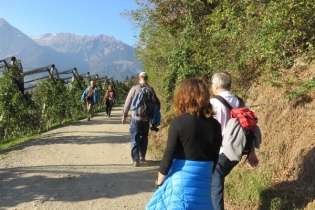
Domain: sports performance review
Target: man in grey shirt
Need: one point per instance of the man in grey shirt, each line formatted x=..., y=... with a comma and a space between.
x=139, y=125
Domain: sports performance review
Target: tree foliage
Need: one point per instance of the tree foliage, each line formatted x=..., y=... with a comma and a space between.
x=16, y=109
x=247, y=38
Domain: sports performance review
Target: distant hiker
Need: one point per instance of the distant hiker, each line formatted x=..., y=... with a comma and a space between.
x=109, y=99
x=90, y=96
x=221, y=85
x=193, y=144
x=141, y=99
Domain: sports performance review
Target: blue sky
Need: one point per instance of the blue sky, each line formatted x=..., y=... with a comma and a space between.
x=80, y=17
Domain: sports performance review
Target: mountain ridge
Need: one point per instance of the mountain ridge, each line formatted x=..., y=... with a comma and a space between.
x=102, y=54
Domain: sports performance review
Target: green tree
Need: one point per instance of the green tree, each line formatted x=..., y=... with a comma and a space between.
x=18, y=114
x=250, y=39
x=52, y=98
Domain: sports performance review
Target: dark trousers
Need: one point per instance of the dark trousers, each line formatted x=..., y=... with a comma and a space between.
x=108, y=106
x=222, y=169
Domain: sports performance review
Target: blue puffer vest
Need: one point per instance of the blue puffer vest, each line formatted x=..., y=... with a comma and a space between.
x=188, y=186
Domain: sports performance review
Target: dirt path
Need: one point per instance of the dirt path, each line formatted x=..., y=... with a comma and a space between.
x=86, y=165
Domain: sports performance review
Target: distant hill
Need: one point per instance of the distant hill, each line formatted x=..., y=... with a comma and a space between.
x=101, y=54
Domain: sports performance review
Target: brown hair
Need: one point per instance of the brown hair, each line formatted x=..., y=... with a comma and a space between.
x=193, y=97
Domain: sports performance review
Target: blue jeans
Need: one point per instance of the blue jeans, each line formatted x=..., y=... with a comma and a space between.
x=139, y=131
x=222, y=169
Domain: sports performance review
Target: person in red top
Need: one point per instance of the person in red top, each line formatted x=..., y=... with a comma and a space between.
x=109, y=99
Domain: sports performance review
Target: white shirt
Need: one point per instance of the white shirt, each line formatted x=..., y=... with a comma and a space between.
x=222, y=112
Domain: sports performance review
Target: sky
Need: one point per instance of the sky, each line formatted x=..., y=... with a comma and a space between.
x=80, y=17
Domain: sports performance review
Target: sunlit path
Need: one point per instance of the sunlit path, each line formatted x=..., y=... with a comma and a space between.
x=85, y=165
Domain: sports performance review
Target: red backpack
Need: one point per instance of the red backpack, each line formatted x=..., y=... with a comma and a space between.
x=247, y=119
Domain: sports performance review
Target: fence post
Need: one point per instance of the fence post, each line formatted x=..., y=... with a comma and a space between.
x=74, y=77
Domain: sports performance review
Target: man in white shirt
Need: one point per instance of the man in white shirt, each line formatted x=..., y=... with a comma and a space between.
x=221, y=85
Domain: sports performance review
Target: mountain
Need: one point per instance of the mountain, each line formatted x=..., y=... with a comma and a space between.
x=105, y=55
x=101, y=54
x=15, y=43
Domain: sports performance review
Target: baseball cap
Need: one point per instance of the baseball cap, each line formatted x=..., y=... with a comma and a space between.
x=143, y=74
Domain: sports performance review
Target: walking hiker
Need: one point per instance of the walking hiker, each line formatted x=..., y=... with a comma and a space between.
x=193, y=144
x=221, y=86
x=90, y=96
x=109, y=99
x=141, y=99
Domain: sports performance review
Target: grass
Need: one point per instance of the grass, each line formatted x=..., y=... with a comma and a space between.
x=244, y=185
x=14, y=142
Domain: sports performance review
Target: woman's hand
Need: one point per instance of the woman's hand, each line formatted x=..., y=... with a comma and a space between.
x=158, y=184
x=160, y=180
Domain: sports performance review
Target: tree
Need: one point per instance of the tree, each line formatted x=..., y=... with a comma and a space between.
x=18, y=113
x=181, y=39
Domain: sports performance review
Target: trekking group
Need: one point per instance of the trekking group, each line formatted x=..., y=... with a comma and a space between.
x=90, y=96
x=206, y=139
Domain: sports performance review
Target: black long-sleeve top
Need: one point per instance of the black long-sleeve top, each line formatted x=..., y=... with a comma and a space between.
x=192, y=138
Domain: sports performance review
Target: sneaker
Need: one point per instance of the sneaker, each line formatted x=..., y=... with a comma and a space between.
x=136, y=163
x=154, y=129
x=142, y=159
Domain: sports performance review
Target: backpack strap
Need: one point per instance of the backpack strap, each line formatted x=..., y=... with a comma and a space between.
x=241, y=102
x=223, y=101
x=226, y=104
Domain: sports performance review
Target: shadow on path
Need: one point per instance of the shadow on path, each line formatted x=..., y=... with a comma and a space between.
x=71, y=182
x=42, y=183
x=111, y=137
x=86, y=137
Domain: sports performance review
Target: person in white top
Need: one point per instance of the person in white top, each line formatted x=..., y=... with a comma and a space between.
x=221, y=85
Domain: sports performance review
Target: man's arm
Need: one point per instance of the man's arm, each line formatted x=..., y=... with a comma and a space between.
x=252, y=158
x=84, y=94
x=127, y=105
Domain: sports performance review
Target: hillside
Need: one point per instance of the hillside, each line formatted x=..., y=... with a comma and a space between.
x=288, y=147
x=268, y=48
x=285, y=176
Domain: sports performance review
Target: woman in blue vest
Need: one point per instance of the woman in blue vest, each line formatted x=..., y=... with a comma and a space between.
x=192, y=151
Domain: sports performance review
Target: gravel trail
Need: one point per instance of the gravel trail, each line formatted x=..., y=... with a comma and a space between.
x=85, y=165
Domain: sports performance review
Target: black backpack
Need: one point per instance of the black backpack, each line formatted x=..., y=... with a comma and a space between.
x=143, y=103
